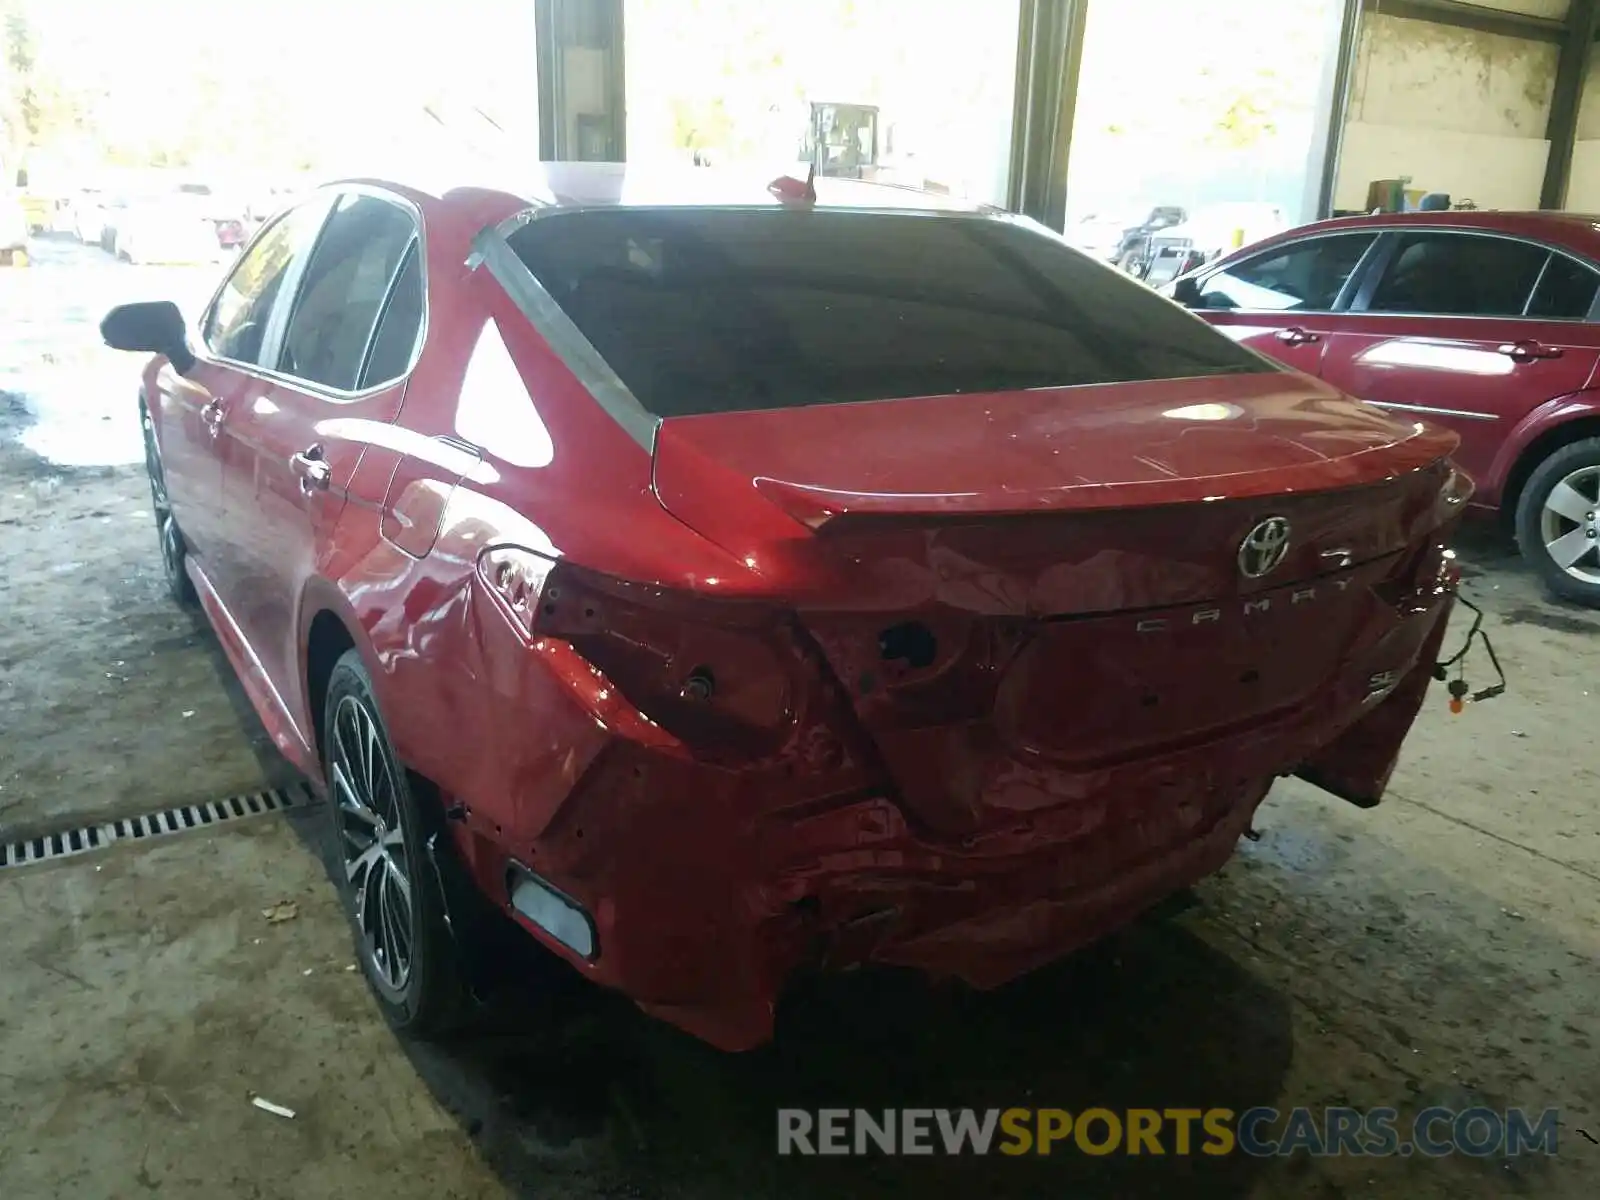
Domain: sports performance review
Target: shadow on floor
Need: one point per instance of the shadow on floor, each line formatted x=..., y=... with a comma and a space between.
x=573, y=1092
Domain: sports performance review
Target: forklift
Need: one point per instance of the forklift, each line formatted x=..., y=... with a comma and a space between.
x=841, y=141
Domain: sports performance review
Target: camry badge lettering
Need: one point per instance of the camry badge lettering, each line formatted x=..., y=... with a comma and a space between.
x=1248, y=608
x=1264, y=548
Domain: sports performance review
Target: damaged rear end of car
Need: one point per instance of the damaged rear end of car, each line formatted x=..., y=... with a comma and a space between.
x=1035, y=585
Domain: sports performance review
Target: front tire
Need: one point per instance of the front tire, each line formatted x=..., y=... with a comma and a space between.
x=1558, y=522
x=379, y=834
x=174, y=550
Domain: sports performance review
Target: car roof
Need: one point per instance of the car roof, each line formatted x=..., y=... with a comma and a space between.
x=575, y=185
x=1577, y=231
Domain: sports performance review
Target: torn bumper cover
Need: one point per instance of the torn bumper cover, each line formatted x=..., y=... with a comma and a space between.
x=710, y=887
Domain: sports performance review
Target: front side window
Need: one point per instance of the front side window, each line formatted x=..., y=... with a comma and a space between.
x=237, y=322
x=1455, y=274
x=346, y=283
x=1306, y=276
x=718, y=310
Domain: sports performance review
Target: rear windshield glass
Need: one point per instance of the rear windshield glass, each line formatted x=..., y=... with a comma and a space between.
x=719, y=310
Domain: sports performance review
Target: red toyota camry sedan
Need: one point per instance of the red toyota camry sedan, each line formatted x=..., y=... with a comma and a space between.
x=1485, y=323
x=724, y=582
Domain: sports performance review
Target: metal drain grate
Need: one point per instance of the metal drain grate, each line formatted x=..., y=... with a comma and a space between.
x=51, y=846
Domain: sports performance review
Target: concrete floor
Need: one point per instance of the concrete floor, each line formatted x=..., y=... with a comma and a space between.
x=1442, y=949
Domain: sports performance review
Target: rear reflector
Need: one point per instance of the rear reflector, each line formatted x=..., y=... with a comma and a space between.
x=552, y=912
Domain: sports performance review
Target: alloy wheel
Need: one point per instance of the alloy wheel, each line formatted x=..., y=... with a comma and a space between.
x=1569, y=525
x=372, y=844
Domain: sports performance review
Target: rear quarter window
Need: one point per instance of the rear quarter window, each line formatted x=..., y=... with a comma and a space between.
x=715, y=310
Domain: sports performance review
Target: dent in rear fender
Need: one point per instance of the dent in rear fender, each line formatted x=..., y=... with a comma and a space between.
x=1356, y=765
x=535, y=738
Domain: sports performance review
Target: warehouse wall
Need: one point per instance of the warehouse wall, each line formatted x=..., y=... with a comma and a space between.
x=1456, y=110
x=1555, y=10
x=1583, y=193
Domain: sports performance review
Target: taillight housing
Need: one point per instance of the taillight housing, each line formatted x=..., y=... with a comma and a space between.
x=721, y=676
x=1423, y=574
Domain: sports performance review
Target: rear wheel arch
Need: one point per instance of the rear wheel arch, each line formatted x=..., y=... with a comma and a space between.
x=330, y=634
x=328, y=638
x=1544, y=444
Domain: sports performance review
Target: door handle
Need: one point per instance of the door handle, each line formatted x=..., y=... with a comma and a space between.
x=312, y=470
x=1528, y=351
x=213, y=417
x=1295, y=336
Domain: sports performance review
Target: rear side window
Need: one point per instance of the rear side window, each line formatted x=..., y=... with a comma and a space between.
x=1308, y=276
x=1454, y=274
x=345, y=285
x=1566, y=290
x=396, y=335
x=715, y=310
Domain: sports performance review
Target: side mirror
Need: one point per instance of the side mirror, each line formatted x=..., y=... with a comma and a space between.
x=155, y=327
x=1186, y=291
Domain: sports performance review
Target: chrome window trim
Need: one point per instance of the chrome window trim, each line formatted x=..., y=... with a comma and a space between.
x=1429, y=410
x=329, y=197
x=1544, y=269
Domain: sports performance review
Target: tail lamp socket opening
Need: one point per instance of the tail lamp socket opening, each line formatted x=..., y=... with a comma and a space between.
x=911, y=643
x=518, y=577
x=700, y=686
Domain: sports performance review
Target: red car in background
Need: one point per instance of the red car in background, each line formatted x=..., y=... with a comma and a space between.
x=1485, y=323
x=723, y=582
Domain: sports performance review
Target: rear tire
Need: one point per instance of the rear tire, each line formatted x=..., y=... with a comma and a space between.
x=379, y=832
x=1558, y=522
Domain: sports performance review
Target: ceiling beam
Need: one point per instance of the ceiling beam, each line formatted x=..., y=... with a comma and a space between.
x=1572, y=72
x=1459, y=15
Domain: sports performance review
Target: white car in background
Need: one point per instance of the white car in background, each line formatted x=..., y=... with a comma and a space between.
x=171, y=226
x=1100, y=235
x=88, y=216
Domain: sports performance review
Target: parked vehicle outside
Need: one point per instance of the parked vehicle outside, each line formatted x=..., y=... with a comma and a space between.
x=1210, y=233
x=88, y=216
x=1484, y=323
x=13, y=229
x=1100, y=234
x=172, y=225
x=1133, y=251
x=747, y=585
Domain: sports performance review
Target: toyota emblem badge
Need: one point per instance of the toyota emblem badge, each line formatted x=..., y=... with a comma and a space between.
x=1264, y=547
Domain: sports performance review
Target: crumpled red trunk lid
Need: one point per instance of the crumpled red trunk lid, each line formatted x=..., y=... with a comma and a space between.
x=1025, y=594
